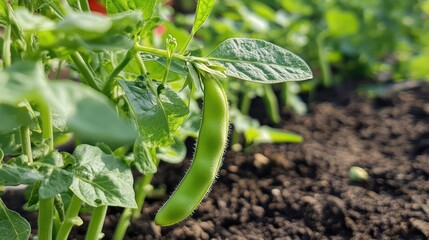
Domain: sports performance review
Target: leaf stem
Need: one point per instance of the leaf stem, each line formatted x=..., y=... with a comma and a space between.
x=45, y=220
x=188, y=41
x=96, y=223
x=7, y=57
x=140, y=63
x=69, y=221
x=111, y=78
x=24, y=133
x=87, y=73
x=164, y=53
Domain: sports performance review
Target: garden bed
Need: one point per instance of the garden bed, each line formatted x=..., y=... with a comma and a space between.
x=302, y=190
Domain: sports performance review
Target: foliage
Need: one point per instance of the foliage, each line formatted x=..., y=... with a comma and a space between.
x=129, y=101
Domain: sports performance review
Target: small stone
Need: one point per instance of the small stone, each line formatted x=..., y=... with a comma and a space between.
x=260, y=160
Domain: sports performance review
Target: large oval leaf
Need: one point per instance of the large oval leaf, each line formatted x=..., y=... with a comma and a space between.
x=259, y=61
x=12, y=225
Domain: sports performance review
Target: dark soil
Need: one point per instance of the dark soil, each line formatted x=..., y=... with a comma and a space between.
x=302, y=191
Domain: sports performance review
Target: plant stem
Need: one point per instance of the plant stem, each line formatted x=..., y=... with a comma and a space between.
x=123, y=223
x=24, y=133
x=96, y=223
x=164, y=53
x=271, y=104
x=128, y=213
x=87, y=73
x=72, y=213
x=188, y=41
x=141, y=193
x=140, y=63
x=7, y=57
x=324, y=64
x=110, y=79
x=45, y=220
x=47, y=132
x=46, y=206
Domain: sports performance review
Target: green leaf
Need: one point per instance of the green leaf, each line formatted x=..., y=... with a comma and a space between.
x=13, y=117
x=342, y=23
x=204, y=8
x=174, y=154
x=158, y=117
x=23, y=80
x=56, y=180
x=12, y=175
x=259, y=61
x=146, y=7
x=143, y=158
x=89, y=114
x=10, y=143
x=116, y=6
x=1, y=155
x=84, y=25
x=102, y=179
x=12, y=225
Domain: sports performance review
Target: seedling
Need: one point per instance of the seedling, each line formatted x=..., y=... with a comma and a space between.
x=130, y=109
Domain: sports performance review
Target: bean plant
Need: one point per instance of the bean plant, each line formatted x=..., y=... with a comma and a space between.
x=98, y=80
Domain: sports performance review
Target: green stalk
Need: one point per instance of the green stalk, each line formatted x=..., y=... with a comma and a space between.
x=140, y=63
x=111, y=78
x=164, y=53
x=24, y=133
x=244, y=109
x=123, y=224
x=128, y=213
x=188, y=41
x=141, y=193
x=45, y=220
x=96, y=223
x=324, y=64
x=87, y=73
x=47, y=131
x=70, y=220
x=271, y=104
x=46, y=206
x=7, y=57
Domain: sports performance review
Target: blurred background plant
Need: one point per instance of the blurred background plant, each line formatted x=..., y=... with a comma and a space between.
x=367, y=41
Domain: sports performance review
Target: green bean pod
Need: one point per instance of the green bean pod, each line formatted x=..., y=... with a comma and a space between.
x=207, y=159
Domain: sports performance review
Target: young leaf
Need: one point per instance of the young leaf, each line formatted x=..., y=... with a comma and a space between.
x=259, y=61
x=157, y=116
x=56, y=180
x=204, y=8
x=143, y=158
x=102, y=179
x=175, y=153
x=12, y=225
x=12, y=175
x=146, y=7
x=89, y=114
x=10, y=143
x=13, y=117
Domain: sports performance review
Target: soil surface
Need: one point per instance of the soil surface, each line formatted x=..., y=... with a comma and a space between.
x=302, y=191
